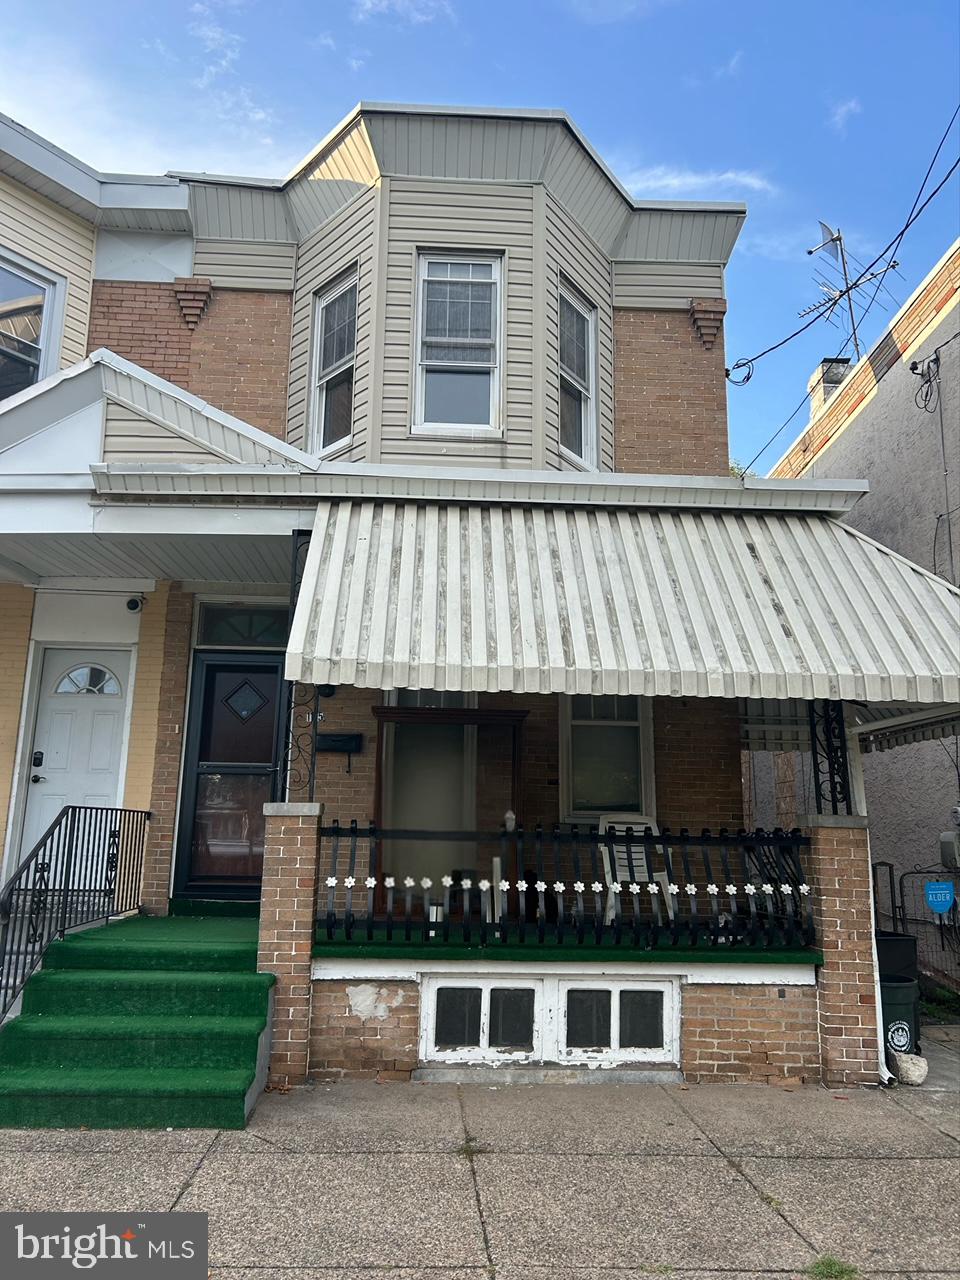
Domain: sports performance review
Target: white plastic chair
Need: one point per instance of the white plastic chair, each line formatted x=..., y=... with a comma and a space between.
x=641, y=868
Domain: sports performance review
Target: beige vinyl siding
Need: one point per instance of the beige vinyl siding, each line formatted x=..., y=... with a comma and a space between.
x=477, y=148
x=129, y=437
x=679, y=235
x=346, y=239
x=42, y=233
x=332, y=180
x=665, y=285
x=491, y=218
x=575, y=179
x=228, y=211
x=571, y=253
x=246, y=264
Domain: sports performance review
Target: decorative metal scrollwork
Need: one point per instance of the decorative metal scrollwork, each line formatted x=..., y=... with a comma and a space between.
x=831, y=766
x=298, y=763
x=40, y=892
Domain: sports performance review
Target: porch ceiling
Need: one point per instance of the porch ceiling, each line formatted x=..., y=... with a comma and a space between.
x=699, y=603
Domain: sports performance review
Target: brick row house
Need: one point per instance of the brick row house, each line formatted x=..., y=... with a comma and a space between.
x=381, y=617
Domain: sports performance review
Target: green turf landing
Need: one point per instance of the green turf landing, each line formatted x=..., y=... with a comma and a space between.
x=148, y=1022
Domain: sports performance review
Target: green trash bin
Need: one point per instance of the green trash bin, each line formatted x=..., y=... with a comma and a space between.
x=900, y=1007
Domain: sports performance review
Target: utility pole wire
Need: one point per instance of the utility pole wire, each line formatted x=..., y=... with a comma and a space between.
x=748, y=364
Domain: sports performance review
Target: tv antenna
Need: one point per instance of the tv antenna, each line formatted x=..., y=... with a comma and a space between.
x=832, y=244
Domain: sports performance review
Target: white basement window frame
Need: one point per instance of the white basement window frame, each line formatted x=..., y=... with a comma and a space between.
x=333, y=370
x=31, y=321
x=599, y=711
x=485, y=269
x=577, y=355
x=549, y=1039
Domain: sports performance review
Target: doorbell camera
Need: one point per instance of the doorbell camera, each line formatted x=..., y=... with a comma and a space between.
x=135, y=604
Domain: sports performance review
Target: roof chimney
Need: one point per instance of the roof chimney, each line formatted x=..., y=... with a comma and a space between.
x=824, y=381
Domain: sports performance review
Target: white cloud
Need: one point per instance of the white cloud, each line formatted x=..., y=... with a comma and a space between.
x=121, y=129
x=667, y=180
x=842, y=112
x=357, y=61
x=731, y=67
x=606, y=11
x=413, y=11
x=322, y=41
x=222, y=46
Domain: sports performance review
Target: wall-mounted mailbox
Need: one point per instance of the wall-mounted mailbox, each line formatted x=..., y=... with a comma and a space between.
x=345, y=744
x=348, y=744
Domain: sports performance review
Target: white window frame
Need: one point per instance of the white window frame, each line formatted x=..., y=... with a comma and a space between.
x=647, y=799
x=591, y=451
x=550, y=1019
x=668, y=1052
x=51, y=326
x=322, y=299
x=481, y=1052
x=418, y=425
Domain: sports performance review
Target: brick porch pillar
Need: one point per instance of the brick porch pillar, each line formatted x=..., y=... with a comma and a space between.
x=839, y=873
x=287, y=911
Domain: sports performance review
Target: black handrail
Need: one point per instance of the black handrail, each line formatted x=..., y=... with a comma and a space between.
x=86, y=867
x=577, y=887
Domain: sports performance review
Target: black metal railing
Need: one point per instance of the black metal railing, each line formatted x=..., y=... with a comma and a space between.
x=86, y=867
x=575, y=887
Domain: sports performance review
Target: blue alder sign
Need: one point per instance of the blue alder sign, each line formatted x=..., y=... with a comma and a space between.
x=939, y=895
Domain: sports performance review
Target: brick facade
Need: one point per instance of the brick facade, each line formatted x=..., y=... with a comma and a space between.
x=16, y=609
x=839, y=871
x=696, y=753
x=170, y=722
x=670, y=396
x=364, y=1030
x=236, y=356
x=761, y=1034
x=288, y=903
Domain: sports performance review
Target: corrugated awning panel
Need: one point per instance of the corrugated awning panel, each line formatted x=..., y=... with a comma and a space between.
x=649, y=602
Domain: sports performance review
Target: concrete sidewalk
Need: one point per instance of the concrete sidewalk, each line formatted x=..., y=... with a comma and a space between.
x=550, y=1182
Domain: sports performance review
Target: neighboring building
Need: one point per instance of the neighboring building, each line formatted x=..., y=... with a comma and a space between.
x=894, y=420
x=457, y=397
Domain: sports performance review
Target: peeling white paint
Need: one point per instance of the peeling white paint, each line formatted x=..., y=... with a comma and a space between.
x=371, y=1003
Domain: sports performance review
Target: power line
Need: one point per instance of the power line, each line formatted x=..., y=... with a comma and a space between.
x=915, y=212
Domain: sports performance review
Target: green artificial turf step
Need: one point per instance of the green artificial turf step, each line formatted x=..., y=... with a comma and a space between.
x=58, y=1040
x=95, y=1098
x=146, y=1022
x=139, y=991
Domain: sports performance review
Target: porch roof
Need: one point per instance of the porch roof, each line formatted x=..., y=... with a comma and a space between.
x=653, y=601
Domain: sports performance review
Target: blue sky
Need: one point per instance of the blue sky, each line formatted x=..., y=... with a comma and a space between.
x=828, y=110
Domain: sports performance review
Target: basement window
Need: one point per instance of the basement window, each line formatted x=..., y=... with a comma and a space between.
x=334, y=345
x=516, y=1018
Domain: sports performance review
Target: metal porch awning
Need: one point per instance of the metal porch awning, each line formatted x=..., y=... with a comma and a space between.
x=540, y=599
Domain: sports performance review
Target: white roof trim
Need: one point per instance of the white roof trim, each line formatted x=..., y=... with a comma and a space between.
x=653, y=602
x=485, y=485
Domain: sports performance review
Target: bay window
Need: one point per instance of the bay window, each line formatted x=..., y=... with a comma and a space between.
x=457, y=344
x=334, y=343
x=577, y=378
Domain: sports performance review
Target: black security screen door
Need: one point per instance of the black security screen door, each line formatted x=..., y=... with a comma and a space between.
x=230, y=772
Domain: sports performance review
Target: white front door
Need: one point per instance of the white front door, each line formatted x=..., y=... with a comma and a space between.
x=78, y=736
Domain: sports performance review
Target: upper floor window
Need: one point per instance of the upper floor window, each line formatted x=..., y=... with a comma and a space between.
x=458, y=339
x=578, y=434
x=335, y=344
x=23, y=301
